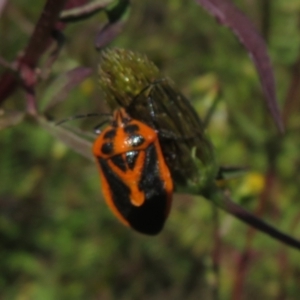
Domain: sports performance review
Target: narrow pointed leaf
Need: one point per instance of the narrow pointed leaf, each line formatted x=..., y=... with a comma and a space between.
x=117, y=17
x=229, y=15
x=64, y=84
x=71, y=139
x=108, y=33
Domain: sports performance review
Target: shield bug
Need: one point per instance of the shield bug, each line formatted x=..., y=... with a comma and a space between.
x=136, y=182
x=155, y=139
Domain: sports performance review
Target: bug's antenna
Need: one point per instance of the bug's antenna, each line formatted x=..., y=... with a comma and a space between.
x=82, y=117
x=97, y=127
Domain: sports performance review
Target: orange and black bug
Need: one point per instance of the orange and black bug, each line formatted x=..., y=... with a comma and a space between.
x=141, y=153
x=136, y=182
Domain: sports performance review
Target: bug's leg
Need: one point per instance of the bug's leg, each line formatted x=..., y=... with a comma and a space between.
x=80, y=117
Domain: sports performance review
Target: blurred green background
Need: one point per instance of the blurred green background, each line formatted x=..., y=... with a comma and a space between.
x=58, y=240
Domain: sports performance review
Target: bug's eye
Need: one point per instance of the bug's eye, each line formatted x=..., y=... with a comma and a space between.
x=107, y=148
x=110, y=134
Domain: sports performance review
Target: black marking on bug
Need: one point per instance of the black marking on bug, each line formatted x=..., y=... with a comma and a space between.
x=150, y=217
x=150, y=182
x=131, y=157
x=131, y=128
x=107, y=148
x=120, y=192
x=136, y=140
x=110, y=134
x=119, y=162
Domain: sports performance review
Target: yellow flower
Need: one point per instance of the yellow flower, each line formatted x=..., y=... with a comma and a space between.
x=87, y=87
x=252, y=185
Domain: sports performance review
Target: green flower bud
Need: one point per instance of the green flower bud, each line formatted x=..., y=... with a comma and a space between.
x=123, y=74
